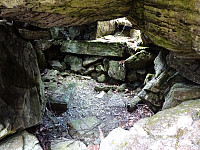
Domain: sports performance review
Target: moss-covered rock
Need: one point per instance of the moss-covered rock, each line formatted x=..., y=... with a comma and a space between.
x=117, y=70
x=179, y=93
x=50, y=13
x=140, y=60
x=21, y=89
x=101, y=78
x=175, y=129
x=94, y=48
x=173, y=24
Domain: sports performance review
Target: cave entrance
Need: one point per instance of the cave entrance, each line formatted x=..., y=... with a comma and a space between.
x=90, y=74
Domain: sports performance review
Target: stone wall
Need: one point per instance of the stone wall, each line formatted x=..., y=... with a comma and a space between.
x=21, y=93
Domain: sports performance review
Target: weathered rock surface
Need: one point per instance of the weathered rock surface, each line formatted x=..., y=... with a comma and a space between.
x=188, y=68
x=105, y=28
x=175, y=129
x=170, y=24
x=21, y=141
x=140, y=60
x=153, y=92
x=132, y=76
x=55, y=64
x=160, y=63
x=135, y=35
x=70, y=13
x=58, y=94
x=117, y=70
x=90, y=60
x=34, y=35
x=66, y=144
x=179, y=93
x=21, y=93
x=94, y=48
x=74, y=62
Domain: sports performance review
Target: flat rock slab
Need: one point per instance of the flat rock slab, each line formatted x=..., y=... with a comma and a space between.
x=179, y=93
x=94, y=48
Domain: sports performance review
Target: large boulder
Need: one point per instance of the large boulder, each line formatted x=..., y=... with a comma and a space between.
x=179, y=93
x=22, y=140
x=21, y=93
x=188, y=68
x=175, y=129
x=64, y=13
x=173, y=24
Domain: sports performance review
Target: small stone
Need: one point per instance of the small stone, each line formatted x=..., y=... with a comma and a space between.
x=50, y=75
x=74, y=32
x=131, y=76
x=95, y=75
x=43, y=44
x=101, y=78
x=89, y=70
x=121, y=88
x=56, y=65
x=84, y=124
x=100, y=95
x=57, y=33
x=135, y=35
x=105, y=28
x=106, y=64
x=117, y=70
x=99, y=68
x=123, y=22
x=74, y=62
x=1, y=127
x=134, y=101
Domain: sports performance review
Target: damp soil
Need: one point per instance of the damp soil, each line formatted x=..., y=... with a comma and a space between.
x=76, y=110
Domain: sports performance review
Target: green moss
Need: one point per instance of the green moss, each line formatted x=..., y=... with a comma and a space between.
x=179, y=134
x=122, y=145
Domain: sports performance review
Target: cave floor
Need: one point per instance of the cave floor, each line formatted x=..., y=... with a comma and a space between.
x=80, y=108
